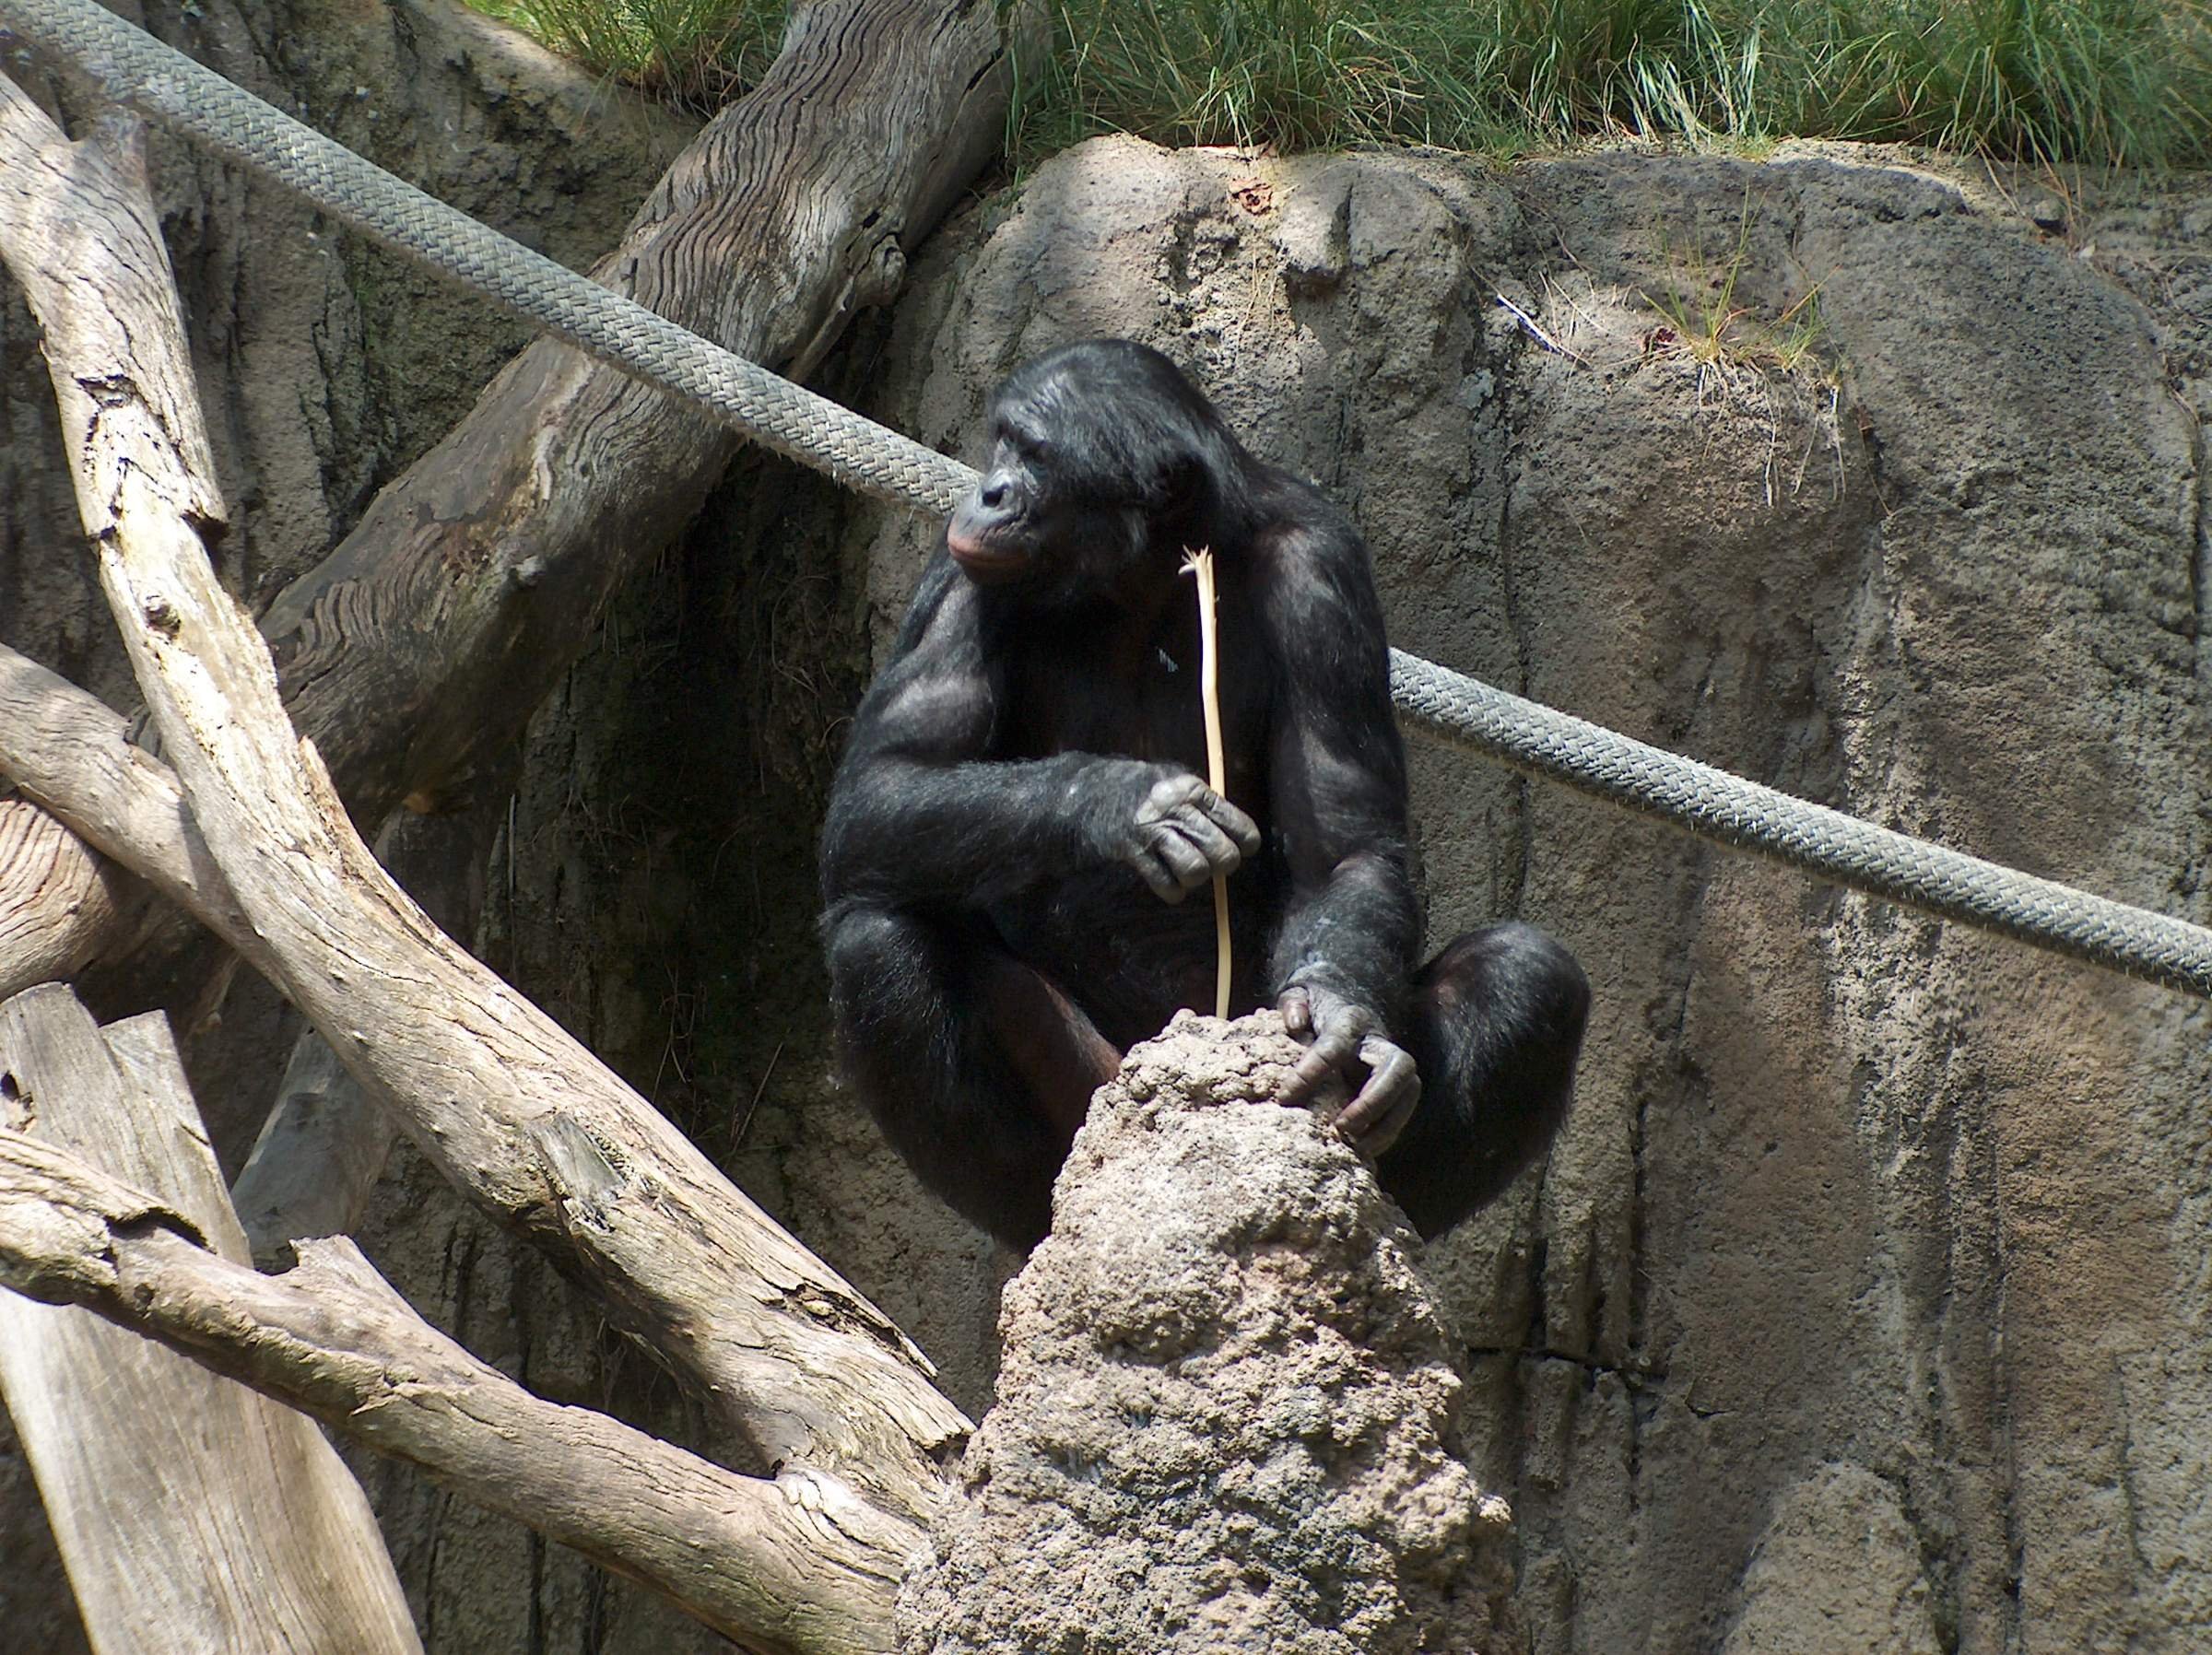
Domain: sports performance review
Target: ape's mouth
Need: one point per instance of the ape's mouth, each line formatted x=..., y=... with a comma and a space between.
x=982, y=561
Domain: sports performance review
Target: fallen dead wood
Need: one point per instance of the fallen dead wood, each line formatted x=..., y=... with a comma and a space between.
x=62, y=896
x=72, y=756
x=521, y=1118
x=411, y=654
x=163, y=1528
x=315, y=1164
x=781, y=1566
x=322, y=1144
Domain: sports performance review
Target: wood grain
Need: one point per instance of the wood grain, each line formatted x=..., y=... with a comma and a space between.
x=782, y=1566
x=192, y=1513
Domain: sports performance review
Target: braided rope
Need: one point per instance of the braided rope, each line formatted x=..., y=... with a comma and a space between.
x=1714, y=804
x=164, y=85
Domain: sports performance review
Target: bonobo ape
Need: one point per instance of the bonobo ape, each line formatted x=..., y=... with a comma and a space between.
x=1019, y=817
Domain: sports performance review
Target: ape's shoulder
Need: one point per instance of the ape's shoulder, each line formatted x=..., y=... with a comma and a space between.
x=1295, y=515
x=1310, y=563
x=941, y=597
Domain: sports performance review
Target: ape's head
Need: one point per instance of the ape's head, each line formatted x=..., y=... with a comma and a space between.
x=1104, y=461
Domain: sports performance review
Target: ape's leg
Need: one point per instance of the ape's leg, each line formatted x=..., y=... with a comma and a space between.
x=978, y=1069
x=1495, y=1026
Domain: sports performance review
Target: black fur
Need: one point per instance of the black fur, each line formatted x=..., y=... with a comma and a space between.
x=1017, y=797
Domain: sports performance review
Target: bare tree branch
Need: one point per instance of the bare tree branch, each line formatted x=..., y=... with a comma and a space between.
x=785, y=1566
x=71, y=754
x=413, y=652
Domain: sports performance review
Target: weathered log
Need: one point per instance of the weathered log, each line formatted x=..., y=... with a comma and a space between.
x=73, y=757
x=782, y=1566
x=61, y=748
x=410, y=654
x=62, y=896
x=244, y=1530
x=317, y=1159
x=523, y=1120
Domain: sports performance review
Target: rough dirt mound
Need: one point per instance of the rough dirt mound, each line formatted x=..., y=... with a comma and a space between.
x=1188, y=1374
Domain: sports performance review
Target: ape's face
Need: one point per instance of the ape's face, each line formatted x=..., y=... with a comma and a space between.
x=1021, y=508
x=1089, y=458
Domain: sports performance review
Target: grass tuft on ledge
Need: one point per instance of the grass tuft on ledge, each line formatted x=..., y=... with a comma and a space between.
x=2105, y=82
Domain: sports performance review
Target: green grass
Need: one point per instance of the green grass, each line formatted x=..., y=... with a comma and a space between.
x=2121, y=82
x=1705, y=325
x=2109, y=81
x=694, y=52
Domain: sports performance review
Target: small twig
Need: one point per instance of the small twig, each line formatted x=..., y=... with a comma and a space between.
x=1201, y=564
x=745, y=1122
x=1543, y=338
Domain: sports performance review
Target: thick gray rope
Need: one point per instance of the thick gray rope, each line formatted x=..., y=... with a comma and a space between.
x=139, y=71
x=1714, y=804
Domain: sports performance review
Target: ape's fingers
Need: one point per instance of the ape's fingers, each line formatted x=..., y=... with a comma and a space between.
x=1326, y=1059
x=1219, y=850
x=1297, y=1012
x=1374, y=1119
x=1185, y=861
x=1182, y=796
x=1158, y=875
x=1233, y=822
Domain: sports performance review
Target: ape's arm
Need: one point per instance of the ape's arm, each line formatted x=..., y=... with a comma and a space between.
x=923, y=812
x=1341, y=957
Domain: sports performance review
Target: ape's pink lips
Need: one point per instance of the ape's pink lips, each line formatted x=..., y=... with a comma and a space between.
x=978, y=557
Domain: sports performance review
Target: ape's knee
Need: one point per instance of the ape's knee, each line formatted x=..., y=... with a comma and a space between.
x=860, y=941
x=881, y=969
x=913, y=1041
x=1511, y=981
x=1500, y=1016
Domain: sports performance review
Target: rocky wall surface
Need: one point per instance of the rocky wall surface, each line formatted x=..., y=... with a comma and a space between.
x=1862, y=1304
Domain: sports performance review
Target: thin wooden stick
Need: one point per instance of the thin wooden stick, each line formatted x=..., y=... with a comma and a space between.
x=1217, y=770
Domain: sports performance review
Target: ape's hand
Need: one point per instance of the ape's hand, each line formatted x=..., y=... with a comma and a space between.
x=1343, y=1039
x=1180, y=833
